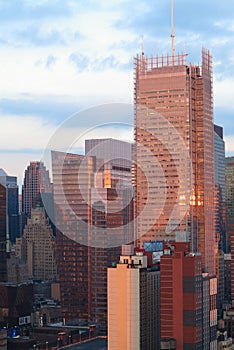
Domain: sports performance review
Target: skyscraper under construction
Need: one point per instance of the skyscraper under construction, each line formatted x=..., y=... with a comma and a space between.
x=174, y=153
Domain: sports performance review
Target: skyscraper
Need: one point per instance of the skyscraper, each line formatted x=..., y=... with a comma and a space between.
x=71, y=214
x=38, y=243
x=220, y=187
x=187, y=299
x=16, y=298
x=229, y=181
x=174, y=153
x=181, y=296
x=12, y=205
x=36, y=181
x=229, y=178
x=3, y=233
x=117, y=155
x=220, y=207
x=93, y=213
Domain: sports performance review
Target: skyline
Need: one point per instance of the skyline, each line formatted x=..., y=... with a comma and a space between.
x=59, y=59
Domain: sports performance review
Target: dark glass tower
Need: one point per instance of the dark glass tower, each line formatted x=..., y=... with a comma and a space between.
x=3, y=232
x=220, y=187
x=12, y=206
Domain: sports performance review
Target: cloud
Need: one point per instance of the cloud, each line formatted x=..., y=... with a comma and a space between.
x=58, y=57
x=24, y=133
x=15, y=10
x=22, y=75
x=72, y=141
x=50, y=61
x=229, y=142
x=27, y=138
x=83, y=63
x=223, y=91
x=56, y=108
x=15, y=163
x=80, y=61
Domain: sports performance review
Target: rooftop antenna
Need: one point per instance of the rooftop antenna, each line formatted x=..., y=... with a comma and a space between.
x=142, y=47
x=172, y=31
x=185, y=49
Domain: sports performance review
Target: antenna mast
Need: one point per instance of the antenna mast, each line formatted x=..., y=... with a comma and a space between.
x=172, y=30
x=142, y=47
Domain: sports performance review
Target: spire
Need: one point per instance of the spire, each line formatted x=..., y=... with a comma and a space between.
x=172, y=30
x=142, y=47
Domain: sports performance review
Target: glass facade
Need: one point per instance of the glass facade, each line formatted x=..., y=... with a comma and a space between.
x=229, y=176
x=12, y=203
x=174, y=156
x=3, y=230
x=92, y=216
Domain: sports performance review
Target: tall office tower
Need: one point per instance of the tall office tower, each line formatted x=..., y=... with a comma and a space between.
x=187, y=299
x=12, y=209
x=92, y=219
x=113, y=214
x=227, y=279
x=3, y=234
x=36, y=181
x=229, y=177
x=209, y=312
x=220, y=187
x=15, y=301
x=133, y=305
x=117, y=154
x=174, y=153
x=220, y=207
x=229, y=181
x=221, y=299
x=37, y=246
x=71, y=216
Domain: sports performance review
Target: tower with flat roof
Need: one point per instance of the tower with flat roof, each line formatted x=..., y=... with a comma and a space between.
x=93, y=217
x=12, y=205
x=133, y=304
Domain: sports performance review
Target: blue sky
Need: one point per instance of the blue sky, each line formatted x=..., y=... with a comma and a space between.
x=60, y=57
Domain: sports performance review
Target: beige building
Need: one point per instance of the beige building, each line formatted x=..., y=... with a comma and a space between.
x=36, y=247
x=133, y=305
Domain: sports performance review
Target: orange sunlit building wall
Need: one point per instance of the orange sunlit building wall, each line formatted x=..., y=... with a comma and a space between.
x=187, y=299
x=92, y=221
x=181, y=296
x=174, y=153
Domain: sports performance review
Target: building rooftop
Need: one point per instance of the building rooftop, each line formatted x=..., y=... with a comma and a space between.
x=2, y=172
x=96, y=344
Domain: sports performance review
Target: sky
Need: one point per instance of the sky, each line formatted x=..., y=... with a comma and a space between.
x=59, y=58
